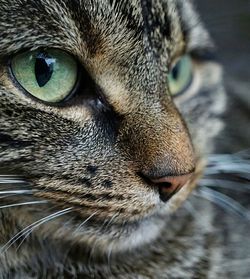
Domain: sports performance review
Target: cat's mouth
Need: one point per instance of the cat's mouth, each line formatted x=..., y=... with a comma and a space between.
x=157, y=198
x=136, y=220
x=143, y=199
x=122, y=230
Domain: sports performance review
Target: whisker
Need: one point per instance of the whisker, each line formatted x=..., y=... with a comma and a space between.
x=240, y=156
x=223, y=201
x=84, y=222
x=190, y=208
x=7, y=179
x=103, y=227
x=231, y=264
x=107, y=222
x=22, y=204
x=91, y=253
x=17, y=192
x=234, y=166
x=237, y=186
x=243, y=153
x=12, y=195
x=109, y=256
x=32, y=226
x=27, y=233
x=229, y=167
x=11, y=181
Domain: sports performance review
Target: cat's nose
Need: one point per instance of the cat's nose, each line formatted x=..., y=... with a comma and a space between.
x=169, y=185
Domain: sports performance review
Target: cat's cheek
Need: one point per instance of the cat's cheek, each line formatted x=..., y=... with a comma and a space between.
x=78, y=113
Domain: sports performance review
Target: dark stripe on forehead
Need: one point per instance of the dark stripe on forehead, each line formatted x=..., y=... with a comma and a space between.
x=155, y=16
x=111, y=11
x=129, y=13
x=157, y=25
x=100, y=21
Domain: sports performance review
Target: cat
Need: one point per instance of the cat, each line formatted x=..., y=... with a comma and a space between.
x=108, y=110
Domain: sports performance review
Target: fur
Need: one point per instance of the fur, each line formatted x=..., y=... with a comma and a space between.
x=87, y=159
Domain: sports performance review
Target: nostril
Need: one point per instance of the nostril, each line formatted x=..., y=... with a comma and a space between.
x=174, y=180
x=167, y=192
x=168, y=185
x=165, y=185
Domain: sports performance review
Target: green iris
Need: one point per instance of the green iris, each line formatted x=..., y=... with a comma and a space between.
x=49, y=75
x=181, y=75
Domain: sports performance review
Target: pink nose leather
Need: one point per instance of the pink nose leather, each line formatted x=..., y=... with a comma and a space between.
x=170, y=185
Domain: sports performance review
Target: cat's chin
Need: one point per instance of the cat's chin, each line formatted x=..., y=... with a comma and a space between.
x=126, y=236
x=119, y=238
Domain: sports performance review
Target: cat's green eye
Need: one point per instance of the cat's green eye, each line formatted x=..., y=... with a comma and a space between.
x=48, y=75
x=180, y=76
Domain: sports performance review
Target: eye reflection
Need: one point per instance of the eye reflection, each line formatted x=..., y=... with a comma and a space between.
x=44, y=67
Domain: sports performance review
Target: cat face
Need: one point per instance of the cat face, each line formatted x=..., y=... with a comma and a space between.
x=107, y=138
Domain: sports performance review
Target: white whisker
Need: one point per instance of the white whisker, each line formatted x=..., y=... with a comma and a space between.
x=11, y=181
x=27, y=233
x=84, y=222
x=238, y=186
x=109, y=256
x=223, y=201
x=105, y=226
x=31, y=227
x=227, y=169
x=6, y=179
x=22, y=204
x=229, y=164
x=245, y=153
x=17, y=192
x=231, y=264
x=11, y=193
x=190, y=208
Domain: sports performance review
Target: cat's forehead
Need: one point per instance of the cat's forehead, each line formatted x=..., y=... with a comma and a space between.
x=126, y=46
x=92, y=25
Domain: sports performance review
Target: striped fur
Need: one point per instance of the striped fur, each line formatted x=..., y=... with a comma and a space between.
x=93, y=216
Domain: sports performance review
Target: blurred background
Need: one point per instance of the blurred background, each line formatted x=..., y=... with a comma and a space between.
x=229, y=24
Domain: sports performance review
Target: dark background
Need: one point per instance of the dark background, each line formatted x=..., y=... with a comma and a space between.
x=229, y=24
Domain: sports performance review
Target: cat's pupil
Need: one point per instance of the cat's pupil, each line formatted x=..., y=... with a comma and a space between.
x=176, y=71
x=44, y=67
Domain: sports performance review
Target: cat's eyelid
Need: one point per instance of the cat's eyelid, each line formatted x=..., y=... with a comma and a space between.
x=199, y=54
x=202, y=54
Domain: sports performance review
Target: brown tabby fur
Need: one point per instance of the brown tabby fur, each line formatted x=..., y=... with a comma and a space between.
x=88, y=155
